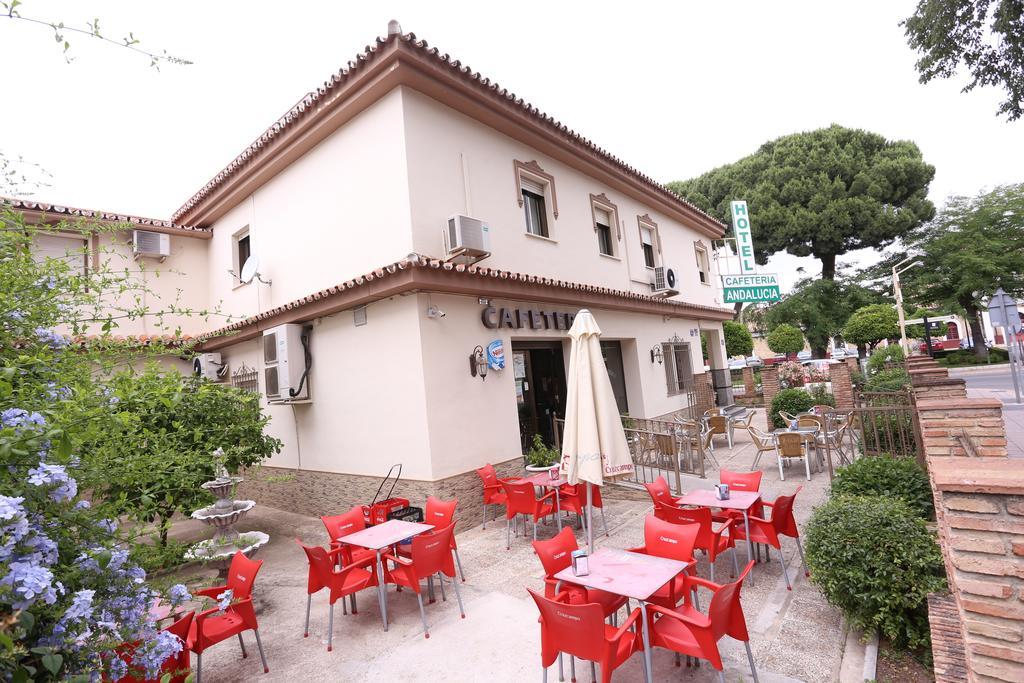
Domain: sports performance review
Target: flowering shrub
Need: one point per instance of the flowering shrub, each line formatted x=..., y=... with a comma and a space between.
x=70, y=597
x=791, y=374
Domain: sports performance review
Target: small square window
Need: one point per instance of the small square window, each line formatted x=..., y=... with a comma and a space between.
x=534, y=208
x=703, y=267
x=603, y=226
x=647, y=242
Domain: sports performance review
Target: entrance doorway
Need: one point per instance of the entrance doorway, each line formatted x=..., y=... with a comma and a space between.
x=539, y=370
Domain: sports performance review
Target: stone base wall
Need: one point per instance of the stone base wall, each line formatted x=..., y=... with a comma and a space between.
x=749, y=386
x=842, y=385
x=933, y=389
x=310, y=492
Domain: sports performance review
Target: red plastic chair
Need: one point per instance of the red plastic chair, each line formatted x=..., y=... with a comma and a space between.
x=178, y=666
x=659, y=492
x=431, y=555
x=555, y=555
x=341, y=583
x=687, y=631
x=573, y=498
x=674, y=542
x=768, y=531
x=343, y=525
x=523, y=501
x=440, y=513
x=212, y=626
x=580, y=631
x=493, y=494
x=712, y=542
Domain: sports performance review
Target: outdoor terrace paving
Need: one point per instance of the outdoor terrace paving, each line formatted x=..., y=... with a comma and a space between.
x=795, y=636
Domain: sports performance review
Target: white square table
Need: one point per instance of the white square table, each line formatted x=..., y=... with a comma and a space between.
x=738, y=500
x=631, y=575
x=379, y=537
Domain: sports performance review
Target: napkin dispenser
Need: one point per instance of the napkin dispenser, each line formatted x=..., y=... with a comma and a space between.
x=722, y=491
x=554, y=472
x=580, y=563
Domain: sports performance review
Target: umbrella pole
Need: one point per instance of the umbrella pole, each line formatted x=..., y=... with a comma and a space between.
x=590, y=517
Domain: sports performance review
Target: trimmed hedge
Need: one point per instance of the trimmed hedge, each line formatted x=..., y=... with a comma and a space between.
x=893, y=353
x=876, y=560
x=893, y=379
x=888, y=477
x=792, y=401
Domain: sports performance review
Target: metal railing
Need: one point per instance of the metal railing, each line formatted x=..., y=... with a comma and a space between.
x=884, y=423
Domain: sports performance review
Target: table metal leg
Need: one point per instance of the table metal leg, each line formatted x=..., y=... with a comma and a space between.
x=647, y=644
x=382, y=595
x=558, y=510
x=750, y=544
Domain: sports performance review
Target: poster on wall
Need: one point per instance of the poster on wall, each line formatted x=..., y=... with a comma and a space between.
x=496, y=355
x=519, y=365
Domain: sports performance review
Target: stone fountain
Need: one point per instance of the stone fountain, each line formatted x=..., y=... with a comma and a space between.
x=222, y=516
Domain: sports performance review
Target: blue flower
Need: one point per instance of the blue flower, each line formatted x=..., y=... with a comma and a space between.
x=178, y=594
x=151, y=655
x=47, y=474
x=10, y=507
x=19, y=417
x=30, y=582
x=83, y=505
x=51, y=338
x=118, y=668
x=224, y=599
x=81, y=606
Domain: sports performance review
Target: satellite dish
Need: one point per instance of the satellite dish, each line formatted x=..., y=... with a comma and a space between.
x=249, y=269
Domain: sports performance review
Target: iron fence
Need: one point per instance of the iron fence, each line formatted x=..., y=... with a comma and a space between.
x=882, y=423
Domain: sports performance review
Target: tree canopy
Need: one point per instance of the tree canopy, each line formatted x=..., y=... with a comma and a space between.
x=785, y=339
x=738, y=341
x=821, y=193
x=871, y=324
x=983, y=37
x=973, y=246
x=820, y=308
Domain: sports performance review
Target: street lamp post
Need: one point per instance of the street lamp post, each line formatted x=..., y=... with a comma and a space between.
x=898, y=293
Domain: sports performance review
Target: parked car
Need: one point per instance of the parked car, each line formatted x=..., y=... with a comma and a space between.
x=737, y=364
x=804, y=355
x=839, y=353
x=754, y=362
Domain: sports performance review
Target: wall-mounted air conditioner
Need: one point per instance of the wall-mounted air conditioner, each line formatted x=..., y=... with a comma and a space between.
x=287, y=359
x=209, y=365
x=664, y=282
x=465, y=236
x=151, y=244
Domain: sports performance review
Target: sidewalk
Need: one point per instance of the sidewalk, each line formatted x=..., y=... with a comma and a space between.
x=1013, y=413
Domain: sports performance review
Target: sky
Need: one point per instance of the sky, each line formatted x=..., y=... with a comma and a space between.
x=673, y=89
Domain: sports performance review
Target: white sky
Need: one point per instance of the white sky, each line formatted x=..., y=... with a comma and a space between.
x=674, y=90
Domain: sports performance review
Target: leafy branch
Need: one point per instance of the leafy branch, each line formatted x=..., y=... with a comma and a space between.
x=61, y=31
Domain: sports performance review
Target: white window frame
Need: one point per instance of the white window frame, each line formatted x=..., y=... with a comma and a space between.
x=236, y=266
x=531, y=173
x=599, y=203
x=703, y=265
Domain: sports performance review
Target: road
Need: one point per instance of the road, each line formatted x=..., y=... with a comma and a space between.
x=996, y=382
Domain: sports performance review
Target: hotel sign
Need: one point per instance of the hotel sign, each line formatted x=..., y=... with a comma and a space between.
x=750, y=288
x=533, y=318
x=744, y=243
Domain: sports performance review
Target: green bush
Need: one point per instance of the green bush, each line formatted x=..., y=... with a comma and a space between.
x=541, y=455
x=792, y=401
x=889, y=433
x=821, y=397
x=874, y=559
x=893, y=353
x=893, y=379
x=968, y=357
x=889, y=477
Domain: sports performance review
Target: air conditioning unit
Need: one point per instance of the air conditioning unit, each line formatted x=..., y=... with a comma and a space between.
x=152, y=244
x=209, y=365
x=465, y=236
x=286, y=362
x=664, y=282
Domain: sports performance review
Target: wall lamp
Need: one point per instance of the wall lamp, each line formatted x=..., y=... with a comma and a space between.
x=478, y=363
x=656, y=354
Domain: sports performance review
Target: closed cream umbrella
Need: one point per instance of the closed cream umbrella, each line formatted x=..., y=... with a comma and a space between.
x=594, y=444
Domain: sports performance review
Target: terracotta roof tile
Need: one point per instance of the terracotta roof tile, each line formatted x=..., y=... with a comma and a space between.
x=314, y=100
x=110, y=216
x=421, y=261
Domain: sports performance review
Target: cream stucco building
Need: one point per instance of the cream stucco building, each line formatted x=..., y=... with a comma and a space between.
x=344, y=201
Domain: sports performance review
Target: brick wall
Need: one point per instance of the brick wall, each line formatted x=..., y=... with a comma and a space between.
x=853, y=363
x=946, y=423
x=705, y=393
x=310, y=492
x=842, y=385
x=749, y=387
x=979, y=506
x=769, y=387
x=932, y=389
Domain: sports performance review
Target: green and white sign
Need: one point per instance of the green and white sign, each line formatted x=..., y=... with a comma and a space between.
x=744, y=243
x=750, y=288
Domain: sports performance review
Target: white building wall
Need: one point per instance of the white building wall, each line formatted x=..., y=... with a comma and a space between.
x=445, y=148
